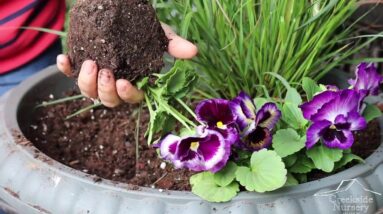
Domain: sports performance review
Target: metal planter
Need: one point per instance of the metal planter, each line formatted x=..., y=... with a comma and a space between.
x=31, y=182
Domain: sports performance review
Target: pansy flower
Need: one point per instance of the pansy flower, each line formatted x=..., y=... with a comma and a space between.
x=258, y=134
x=206, y=151
x=367, y=79
x=216, y=114
x=255, y=126
x=335, y=116
x=243, y=107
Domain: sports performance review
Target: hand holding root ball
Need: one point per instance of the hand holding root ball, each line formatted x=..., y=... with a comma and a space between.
x=95, y=83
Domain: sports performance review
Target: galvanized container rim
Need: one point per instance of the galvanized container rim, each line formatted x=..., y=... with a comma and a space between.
x=18, y=94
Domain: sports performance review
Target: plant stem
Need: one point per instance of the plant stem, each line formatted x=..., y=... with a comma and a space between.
x=83, y=110
x=186, y=107
x=58, y=101
x=138, y=134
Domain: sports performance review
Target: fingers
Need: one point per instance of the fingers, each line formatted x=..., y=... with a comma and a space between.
x=107, y=91
x=128, y=93
x=87, y=79
x=63, y=64
x=178, y=46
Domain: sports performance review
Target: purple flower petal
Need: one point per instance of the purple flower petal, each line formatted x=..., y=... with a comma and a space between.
x=168, y=146
x=333, y=138
x=215, y=151
x=187, y=148
x=256, y=138
x=230, y=135
x=268, y=116
x=318, y=101
x=210, y=151
x=314, y=132
x=346, y=101
x=215, y=113
x=357, y=122
x=244, y=108
x=367, y=78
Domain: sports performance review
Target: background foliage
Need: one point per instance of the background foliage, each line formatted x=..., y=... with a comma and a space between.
x=241, y=41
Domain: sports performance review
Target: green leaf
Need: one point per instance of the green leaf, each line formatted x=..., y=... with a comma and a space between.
x=176, y=82
x=371, y=112
x=331, y=4
x=310, y=87
x=191, y=81
x=227, y=175
x=290, y=160
x=292, y=96
x=142, y=83
x=204, y=185
x=291, y=180
x=287, y=142
x=159, y=120
x=260, y=101
x=186, y=132
x=303, y=165
x=324, y=158
x=267, y=172
x=292, y=115
x=347, y=158
x=302, y=178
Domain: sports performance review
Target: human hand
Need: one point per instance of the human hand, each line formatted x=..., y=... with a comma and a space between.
x=111, y=92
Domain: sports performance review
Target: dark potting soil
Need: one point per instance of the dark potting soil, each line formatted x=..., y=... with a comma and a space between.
x=102, y=142
x=366, y=142
x=122, y=35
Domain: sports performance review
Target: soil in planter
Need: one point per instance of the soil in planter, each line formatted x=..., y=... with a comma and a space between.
x=366, y=142
x=122, y=35
x=102, y=143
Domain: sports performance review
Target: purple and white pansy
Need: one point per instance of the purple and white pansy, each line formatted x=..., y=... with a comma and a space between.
x=335, y=113
x=334, y=116
x=367, y=79
x=206, y=152
x=255, y=127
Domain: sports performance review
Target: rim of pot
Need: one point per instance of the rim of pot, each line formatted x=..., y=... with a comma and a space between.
x=17, y=95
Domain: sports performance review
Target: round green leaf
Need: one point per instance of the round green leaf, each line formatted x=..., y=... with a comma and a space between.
x=292, y=96
x=347, y=158
x=291, y=180
x=287, y=142
x=324, y=158
x=310, y=87
x=227, y=175
x=204, y=186
x=267, y=172
x=304, y=165
x=371, y=112
x=290, y=160
x=293, y=116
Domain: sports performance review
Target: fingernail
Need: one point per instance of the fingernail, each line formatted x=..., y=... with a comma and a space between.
x=105, y=77
x=59, y=60
x=90, y=67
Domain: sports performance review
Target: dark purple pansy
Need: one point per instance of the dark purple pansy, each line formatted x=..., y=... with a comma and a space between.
x=258, y=134
x=367, y=79
x=335, y=116
x=215, y=113
x=208, y=151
